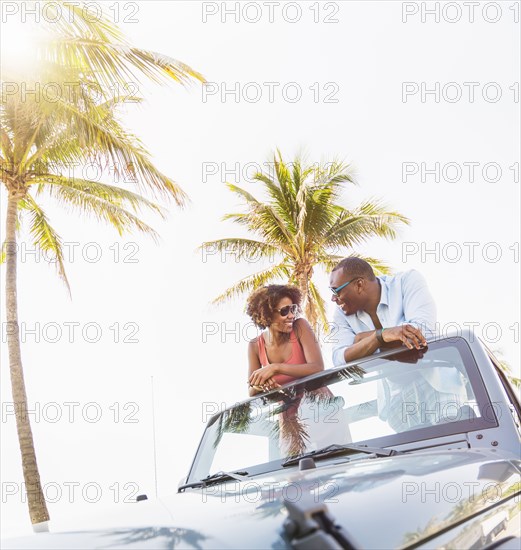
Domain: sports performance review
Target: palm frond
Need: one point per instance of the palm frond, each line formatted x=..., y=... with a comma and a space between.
x=119, y=63
x=102, y=209
x=153, y=63
x=369, y=219
x=78, y=24
x=252, y=282
x=379, y=267
x=108, y=139
x=240, y=218
x=329, y=261
x=45, y=237
x=5, y=144
x=115, y=195
x=506, y=368
x=242, y=192
x=263, y=220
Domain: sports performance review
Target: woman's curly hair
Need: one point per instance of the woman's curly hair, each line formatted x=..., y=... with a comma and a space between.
x=261, y=304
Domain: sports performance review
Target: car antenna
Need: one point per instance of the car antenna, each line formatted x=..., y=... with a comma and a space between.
x=154, y=434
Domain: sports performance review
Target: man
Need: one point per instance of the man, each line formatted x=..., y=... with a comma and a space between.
x=378, y=312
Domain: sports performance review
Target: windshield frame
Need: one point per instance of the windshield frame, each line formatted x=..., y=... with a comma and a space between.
x=416, y=435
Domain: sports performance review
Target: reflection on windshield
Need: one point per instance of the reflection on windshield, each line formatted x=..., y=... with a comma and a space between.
x=383, y=399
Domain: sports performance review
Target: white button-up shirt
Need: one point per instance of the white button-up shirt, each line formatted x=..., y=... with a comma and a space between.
x=404, y=299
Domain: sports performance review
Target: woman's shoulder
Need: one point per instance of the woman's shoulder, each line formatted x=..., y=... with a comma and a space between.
x=301, y=324
x=255, y=341
x=253, y=347
x=303, y=331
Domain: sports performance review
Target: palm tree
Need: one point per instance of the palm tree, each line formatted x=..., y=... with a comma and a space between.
x=301, y=226
x=39, y=142
x=95, y=44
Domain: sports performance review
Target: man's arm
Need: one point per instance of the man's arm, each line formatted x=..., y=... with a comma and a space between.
x=361, y=335
x=350, y=346
x=366, y=343
x=343, y=336
x=420, y=321
x=365, y=346
x=419, y=308
x=419, y=311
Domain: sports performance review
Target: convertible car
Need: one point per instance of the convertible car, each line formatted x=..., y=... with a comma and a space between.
x=405, y=449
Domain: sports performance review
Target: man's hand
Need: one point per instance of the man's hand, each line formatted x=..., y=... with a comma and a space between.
x=262, y=378
x=409, y=335
x=412, y=356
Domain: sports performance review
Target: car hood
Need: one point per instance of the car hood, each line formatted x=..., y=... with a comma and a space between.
x=380, y=503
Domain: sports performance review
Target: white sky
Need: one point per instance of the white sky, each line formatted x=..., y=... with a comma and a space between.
x=165, y=294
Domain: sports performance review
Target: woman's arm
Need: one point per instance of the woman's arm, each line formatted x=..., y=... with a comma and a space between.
x=253, y=364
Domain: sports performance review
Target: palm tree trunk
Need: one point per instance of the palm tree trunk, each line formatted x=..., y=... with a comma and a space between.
x=37, y=505
x=302, y=276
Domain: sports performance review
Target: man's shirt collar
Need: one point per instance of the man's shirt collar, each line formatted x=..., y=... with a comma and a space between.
x=384, y=292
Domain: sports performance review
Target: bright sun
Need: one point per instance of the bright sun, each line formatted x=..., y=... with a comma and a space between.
x=18, y=42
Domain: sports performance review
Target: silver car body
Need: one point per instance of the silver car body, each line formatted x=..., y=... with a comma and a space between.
x=450, y=490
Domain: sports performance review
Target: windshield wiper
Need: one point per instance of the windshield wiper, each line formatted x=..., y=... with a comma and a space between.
x=215, y=478
x=335, y=449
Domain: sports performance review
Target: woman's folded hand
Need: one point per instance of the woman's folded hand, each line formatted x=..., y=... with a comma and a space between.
x=262, y=379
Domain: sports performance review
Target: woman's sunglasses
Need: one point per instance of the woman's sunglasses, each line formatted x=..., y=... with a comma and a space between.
x=285, y=311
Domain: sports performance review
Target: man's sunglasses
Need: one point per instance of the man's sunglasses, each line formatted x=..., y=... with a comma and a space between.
x=284, y=311
x=336, y=290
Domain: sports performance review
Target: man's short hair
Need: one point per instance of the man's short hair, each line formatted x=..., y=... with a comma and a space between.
x=356, y=267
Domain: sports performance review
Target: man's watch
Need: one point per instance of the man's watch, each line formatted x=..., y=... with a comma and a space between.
x=379, y=337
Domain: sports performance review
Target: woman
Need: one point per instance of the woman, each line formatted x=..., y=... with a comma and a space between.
x=287, y=349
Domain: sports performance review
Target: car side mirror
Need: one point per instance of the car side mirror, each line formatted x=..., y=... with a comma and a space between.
x=139, y=498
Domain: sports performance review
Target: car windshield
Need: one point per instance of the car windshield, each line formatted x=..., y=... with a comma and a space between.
x=381, y=402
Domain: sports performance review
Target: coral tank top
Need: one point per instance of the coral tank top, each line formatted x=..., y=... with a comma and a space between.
x=297, y=357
